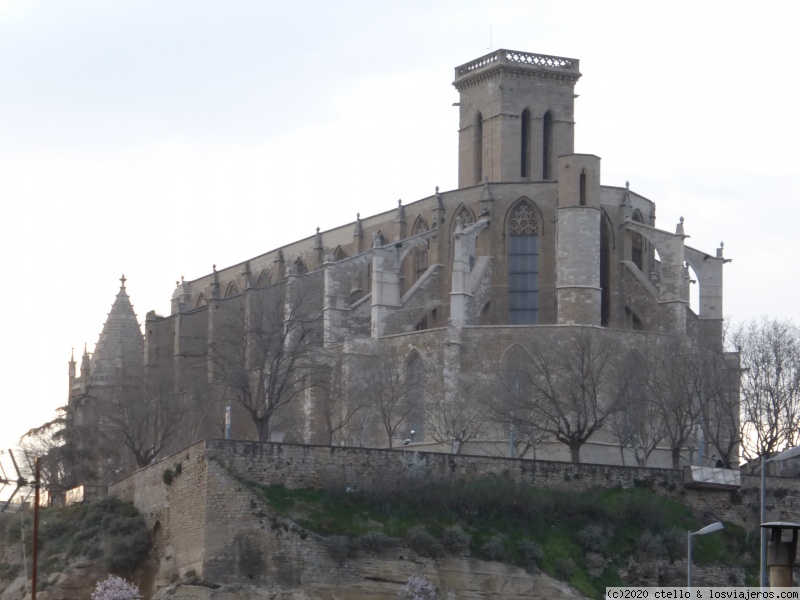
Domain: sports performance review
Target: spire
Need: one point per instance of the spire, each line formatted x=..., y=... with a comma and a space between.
x=120, y=346
x=72, y=364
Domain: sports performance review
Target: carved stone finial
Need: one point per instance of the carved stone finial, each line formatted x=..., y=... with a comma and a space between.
x=720, y=249
x=679, y=228
x=399, y=201
x=214, y=266
x=181, y=278
x=317, y=229
x=627, y=185
x=437, y=189
x=123, y=280
x=681, y=219
x=358, y=231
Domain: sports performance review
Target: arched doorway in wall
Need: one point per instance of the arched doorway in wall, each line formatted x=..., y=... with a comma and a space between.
x=523, y=263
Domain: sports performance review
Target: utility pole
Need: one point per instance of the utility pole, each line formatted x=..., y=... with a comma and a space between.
x=19, y=483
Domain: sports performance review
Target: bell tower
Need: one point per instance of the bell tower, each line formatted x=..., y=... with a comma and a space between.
x=516, y=116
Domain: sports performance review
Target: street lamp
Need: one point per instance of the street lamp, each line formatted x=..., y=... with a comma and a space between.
x=785, y=455
x=707, y=529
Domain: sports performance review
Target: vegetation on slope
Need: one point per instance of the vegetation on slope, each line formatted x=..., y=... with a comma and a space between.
x=110, y=530
x=583, y=538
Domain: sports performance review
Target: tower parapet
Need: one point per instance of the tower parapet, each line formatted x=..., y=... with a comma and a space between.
x=516, y=116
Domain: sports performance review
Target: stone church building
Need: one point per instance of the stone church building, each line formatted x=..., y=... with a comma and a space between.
x=530, y=248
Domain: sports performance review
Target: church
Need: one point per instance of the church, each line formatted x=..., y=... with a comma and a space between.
x=398, y=329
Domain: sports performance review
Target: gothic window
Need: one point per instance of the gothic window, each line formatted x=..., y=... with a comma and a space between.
x=300, y=266
x=420, y=251
x=466, y=216
x=263, y=278
x=547, y=146
x=637, y=244
x=201, y=301
x=478, y=148
x=467, y=220
x=523, y=265
x=582, y=192
x=525, y=143
x=231, y=290
x=339, y=254
x=415, y=373
x=605, y=270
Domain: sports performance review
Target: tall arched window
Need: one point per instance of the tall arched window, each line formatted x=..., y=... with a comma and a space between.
x=605, y=270
x=547, y=146
x=523, y=265
x=637, y=243
x=582, y=191
x=415, y=379
x=300, y=267
x=478, y=149
x=421, y=251
x=339, y=254
x=525, y=144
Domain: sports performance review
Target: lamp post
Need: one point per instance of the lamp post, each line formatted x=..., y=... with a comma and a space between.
x=785, y=455
x=707, y=529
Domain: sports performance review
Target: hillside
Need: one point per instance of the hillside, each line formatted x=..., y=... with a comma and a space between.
x=489, y=538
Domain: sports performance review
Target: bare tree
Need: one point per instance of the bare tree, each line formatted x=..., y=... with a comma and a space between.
x=394, y=390
x=770, y=385
x=721, y=413
x=679, y=390
x=265, y=357
x=143, y=419
x=638, y=425
x=459, y=417
x=569, y=387
x=343, y=413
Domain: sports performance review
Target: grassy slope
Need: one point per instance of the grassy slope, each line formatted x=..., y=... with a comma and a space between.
x=565, y=534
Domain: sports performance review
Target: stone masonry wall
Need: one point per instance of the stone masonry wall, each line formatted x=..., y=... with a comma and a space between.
x=211, y=522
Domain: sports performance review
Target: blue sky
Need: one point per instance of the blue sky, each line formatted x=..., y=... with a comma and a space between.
x=156, y=138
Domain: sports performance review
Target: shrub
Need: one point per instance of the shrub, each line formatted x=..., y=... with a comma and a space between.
x=494, y=548
x=423, y=543
x=418, y=588
x=375, y=541
x=565, y=568
x=340, y=547
x=456, y=541
x=592, y=539
x=115, y=588
x=651, y=544
x=530, y=553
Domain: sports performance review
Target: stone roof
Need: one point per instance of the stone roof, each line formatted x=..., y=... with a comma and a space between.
x=121, y=344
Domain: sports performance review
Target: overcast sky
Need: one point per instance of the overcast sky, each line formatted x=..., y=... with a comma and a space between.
x=155, y=138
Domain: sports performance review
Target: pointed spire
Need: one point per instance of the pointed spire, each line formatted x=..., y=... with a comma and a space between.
x=120, y=345
x=72, y=364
